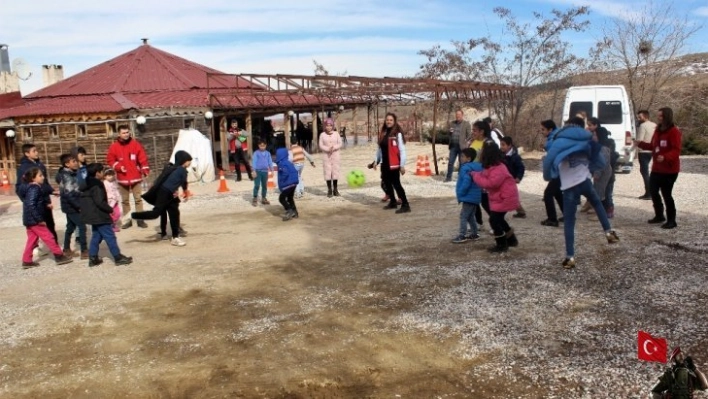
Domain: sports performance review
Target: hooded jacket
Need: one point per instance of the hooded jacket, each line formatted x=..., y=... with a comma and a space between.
x=34, y=204
x=501, y=187
x=515, y=164
x=94, y=203
x=70, y=196
x=25, y=165
x=467, y=190
x=129, y=160
x=560, y=144
x=287, y=174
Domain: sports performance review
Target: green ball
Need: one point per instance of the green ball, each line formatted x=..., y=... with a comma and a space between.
x=356, y=178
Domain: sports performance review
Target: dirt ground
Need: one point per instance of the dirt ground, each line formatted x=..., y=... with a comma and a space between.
x=347, y=301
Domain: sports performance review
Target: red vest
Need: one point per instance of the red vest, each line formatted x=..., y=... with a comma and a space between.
x=394, y=153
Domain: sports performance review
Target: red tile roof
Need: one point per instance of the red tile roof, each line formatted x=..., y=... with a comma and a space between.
x=9, y=100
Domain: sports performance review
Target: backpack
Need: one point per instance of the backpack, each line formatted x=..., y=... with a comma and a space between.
x=597, y=160
x=680, y=385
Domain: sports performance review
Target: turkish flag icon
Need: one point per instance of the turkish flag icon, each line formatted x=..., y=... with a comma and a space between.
x=651, y=349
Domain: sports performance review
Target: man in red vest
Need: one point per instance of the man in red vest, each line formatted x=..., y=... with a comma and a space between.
x=127, y=157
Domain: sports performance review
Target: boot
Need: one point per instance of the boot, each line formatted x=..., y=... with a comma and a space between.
x=127, y=224
x=288, y=215
x=511, y=238
x=391, y=205
x=329, y=188
x=142, y=224
x=502, y=245
x=121, y=260
x=62, y=259
x=94, y=261
x=405, y=208
x=69, y=253
x=295, y=214
x=335, y=192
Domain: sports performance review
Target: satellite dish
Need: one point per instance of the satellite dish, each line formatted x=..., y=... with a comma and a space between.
x=21, y=68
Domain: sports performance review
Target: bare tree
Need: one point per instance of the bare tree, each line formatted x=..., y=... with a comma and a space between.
x=534, y=54
x=646, y=45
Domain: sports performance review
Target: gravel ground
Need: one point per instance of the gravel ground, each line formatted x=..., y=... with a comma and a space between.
x=569, y=333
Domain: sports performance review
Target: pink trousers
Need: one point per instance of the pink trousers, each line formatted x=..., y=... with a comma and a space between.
x=36, y=233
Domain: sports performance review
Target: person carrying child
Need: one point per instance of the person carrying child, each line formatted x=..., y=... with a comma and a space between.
x=503, y=195
x=70, y=200
x=287, y=182
x=34, y=209
x=109, y=180
x=164, y=195
x=516, y=167
x=262, y=164
x=96, y=212
x=468, y=194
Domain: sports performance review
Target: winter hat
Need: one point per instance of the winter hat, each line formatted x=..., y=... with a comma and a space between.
x=181, y=157
x=329, y=121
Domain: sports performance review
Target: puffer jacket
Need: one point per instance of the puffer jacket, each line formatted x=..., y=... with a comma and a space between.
x=25, y=165
x=69, y=194
x=287, y=174
x=34, y=204
x=94, y=203
x=501, y=187
x=466, y=189
x=567, y=140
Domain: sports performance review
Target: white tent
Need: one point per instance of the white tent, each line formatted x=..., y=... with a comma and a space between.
x=199, y=147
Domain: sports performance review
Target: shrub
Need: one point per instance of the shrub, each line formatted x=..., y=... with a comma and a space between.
x=694, y=145
x=442, y=136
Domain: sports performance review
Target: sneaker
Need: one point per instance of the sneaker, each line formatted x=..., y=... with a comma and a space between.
x=656, y=220
x=142, y=224
x=569, y=263
x=122, y=260
x=472, y=237
x=127, y=224
x=254, y=202
x=644, y=197
x=84, y=255
x=62, y=260
x=669, y=225
x=549, y=222
x=612, y=237
x=95, y=261
x=69, y=253
x=178, y=242
x=404, y=209
x=460, y=239
x=519, y=215
x=390, y=206
x=264, y=201
x=161, y=237
x=29, y=265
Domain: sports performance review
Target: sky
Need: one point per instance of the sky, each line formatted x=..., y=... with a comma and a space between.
x=354, y=37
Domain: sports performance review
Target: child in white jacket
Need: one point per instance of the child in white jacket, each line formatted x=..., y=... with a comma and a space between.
x=113, y=196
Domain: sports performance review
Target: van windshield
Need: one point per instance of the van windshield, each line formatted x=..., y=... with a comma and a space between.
x=609, y=112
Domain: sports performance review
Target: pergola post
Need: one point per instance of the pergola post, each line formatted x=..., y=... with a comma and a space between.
x=368, y=122
x=435, y=131
x=286, y=128
x=224, y=144
x=249, y=131
x=356, y=136
x=315, y=138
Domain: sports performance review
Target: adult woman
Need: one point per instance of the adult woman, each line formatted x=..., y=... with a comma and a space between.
x=330, y=143
x=665, y=147
x=481, y=134
x=553, y=189
x=392, y=157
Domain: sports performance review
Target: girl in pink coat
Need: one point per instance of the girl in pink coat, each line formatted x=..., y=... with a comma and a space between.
x=330, y=144
x=503, y=195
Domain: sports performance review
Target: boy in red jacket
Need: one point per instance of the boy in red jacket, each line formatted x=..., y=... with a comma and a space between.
x=665, y=147
x=127, y=157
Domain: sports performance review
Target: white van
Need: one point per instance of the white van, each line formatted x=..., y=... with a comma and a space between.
x=611, y=105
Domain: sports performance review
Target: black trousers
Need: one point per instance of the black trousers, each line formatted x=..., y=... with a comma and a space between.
x=165, y=205
x=240, y=157
x=663, y=183
x=287, y=199
x=553, y=192
x=485, y=206
x=498, y=223
x=391, y=181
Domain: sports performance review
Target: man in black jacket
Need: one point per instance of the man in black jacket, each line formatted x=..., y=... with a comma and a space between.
x=96, y=212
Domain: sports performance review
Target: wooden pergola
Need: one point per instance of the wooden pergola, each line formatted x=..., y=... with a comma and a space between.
x=303, y=93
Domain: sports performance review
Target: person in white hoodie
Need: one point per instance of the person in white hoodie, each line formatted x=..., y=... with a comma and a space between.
x=645, y=134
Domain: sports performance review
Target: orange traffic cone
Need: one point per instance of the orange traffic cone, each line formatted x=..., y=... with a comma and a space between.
x=222, y=183
x=271, y=179
x=419, y=166
x=426, y=167
x=5, y=180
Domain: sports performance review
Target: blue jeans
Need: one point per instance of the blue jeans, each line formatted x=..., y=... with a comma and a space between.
x=300, y=189
x=571, y=197
x=73, y=222
x=261, y=180
x=467, y=218
x=454, y=152
x=101, y=232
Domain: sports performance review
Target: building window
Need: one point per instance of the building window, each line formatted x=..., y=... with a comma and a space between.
x=53, y=132
x=81, y=131
x=189, y=123
x=27, y=133
x=111, y=129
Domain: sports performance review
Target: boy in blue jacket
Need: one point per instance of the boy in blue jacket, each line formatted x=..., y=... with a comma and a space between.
x=287, y=182
x=468, y=194
x=262, y=163
x=516, y=167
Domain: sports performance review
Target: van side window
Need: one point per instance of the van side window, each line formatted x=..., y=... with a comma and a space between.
x=609, y=112
x=577, y=106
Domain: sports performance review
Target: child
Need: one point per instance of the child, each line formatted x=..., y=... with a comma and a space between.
x=287, y=182
x=79, y=153
x=28, y=161
x=164, y=195
x=34, y=207
x=516, y=167
x=503, y=195
x=70, y=200
x=469, y=194
x=109, y=180
x=96, y=212
x=262, y=164
x=298, y=159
